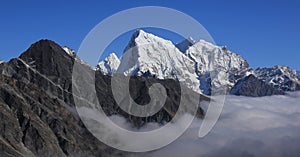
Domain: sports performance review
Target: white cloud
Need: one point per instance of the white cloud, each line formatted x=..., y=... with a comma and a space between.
x=248, y=127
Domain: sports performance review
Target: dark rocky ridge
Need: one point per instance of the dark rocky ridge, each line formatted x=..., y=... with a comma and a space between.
x=34, y=123
x=280, y=77
x=254, y=87
x=38, y=116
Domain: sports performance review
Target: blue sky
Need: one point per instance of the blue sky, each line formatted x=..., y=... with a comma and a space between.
x=265, y=33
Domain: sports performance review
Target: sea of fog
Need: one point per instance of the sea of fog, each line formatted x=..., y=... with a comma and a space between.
x=248, y=127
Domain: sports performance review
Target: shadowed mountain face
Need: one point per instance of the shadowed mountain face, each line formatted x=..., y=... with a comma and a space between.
x=252, y=86
x=36, y=124
x=38, y=116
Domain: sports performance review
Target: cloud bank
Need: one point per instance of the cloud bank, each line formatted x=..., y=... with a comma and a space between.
x=248, y=127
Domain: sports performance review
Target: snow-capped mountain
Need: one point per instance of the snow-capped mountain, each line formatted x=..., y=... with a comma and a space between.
x=298, y=73
x=109, y=65
x=216, y=66
x=202, y=66
x=281, y=77
x=1, y=62
x=149, y=55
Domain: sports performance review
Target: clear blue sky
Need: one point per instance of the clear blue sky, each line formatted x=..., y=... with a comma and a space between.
x=264, y=33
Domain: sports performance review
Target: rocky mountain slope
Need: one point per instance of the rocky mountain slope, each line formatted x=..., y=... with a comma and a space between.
x=38, y=116
x=254, y=87
x=280, y=77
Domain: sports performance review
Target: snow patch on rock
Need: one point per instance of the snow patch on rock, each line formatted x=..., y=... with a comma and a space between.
x=69, y=51
x=281, y=77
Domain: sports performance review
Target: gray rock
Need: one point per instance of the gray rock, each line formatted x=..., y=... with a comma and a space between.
x=281, y=77
x=252, y=86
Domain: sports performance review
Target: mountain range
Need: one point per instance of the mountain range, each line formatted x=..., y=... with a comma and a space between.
x=38, y=115
x=202, y=66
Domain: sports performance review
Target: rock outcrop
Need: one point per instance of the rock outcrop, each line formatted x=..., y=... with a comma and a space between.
x=254, y=87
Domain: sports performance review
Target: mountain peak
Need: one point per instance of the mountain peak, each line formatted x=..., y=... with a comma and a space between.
x=109, y=65
x=49, y=58
x=138, y=32
x=149, y=55
x=42, y=46
x=140, y=37
x=42, y=43
x=113, y=56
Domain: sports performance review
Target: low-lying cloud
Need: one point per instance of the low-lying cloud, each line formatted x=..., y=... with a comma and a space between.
x=248, y=127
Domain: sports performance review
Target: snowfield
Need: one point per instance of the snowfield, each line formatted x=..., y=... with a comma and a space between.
x=248, y=127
